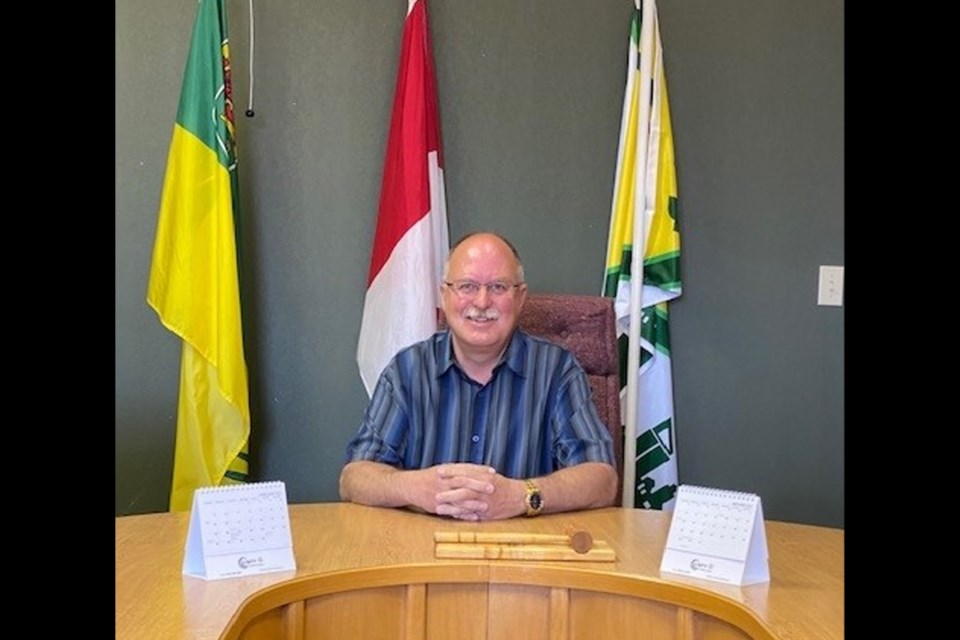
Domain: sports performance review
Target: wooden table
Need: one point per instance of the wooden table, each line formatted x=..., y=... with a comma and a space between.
x=364, y=572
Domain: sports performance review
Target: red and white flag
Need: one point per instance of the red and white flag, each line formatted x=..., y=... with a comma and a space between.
x=411, y=244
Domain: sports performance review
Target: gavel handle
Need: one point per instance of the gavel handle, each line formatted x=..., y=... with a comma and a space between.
x=579, y=540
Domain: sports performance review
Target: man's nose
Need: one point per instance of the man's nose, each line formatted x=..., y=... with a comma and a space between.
x=483, y=296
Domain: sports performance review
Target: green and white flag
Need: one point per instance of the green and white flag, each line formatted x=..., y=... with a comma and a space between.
x=645, y=181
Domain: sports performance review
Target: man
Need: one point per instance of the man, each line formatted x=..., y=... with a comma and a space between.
x=481, y=421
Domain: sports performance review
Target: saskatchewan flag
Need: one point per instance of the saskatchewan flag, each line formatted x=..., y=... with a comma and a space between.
x=646, y=183
x=194, y=282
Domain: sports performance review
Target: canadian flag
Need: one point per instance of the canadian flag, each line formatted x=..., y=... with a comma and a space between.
x=412, y=240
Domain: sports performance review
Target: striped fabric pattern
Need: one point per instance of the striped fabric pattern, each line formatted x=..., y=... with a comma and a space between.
x=534, y=416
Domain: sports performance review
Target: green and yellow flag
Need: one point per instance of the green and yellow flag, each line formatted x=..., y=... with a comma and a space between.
x=646, y=184
x=194, y=277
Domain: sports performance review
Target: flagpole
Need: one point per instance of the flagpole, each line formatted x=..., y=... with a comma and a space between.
x=638, y=251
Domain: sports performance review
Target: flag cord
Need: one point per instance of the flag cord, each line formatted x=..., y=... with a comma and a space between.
x=249, y=111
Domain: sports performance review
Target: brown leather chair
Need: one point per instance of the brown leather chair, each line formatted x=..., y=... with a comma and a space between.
x=586, y=325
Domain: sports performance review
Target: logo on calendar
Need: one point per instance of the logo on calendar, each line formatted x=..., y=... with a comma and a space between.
x=246, y=563
x=706, y=567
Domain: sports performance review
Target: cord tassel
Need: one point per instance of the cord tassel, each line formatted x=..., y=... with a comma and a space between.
x=249, y=111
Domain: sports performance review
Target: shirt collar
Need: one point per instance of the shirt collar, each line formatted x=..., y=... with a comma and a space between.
x=514, y=357
x=445, y=358
x=516, y=354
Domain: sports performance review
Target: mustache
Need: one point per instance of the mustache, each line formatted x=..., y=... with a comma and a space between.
x=481, y=314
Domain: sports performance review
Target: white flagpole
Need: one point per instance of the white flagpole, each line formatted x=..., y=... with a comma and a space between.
x=639, y=249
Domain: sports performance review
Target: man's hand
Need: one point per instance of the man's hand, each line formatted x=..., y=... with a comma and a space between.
x=478, y=493
x=463, y=490
x=460, y=490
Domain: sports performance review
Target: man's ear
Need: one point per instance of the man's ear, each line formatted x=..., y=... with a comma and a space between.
x=521, y=296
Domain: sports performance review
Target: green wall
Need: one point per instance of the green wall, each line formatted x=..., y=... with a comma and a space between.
x=530, y=98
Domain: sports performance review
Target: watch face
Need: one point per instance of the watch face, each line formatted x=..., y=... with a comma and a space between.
x=535, y=501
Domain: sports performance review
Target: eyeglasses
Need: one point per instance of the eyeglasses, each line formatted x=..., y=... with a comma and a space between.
x=470, y=289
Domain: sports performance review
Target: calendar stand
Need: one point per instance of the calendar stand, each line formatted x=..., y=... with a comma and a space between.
x=717, y=535
x=239, y=530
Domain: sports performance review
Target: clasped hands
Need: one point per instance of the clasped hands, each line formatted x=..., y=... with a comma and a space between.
x=469, y=492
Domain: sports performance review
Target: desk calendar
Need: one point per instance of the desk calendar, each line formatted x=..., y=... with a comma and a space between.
x=239, y=530
x=717, y=535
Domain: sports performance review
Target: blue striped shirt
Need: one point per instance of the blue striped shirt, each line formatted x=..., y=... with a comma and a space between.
x=534, y=416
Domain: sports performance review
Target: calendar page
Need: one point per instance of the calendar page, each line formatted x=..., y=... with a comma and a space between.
x=239, y=530
x=717, y=535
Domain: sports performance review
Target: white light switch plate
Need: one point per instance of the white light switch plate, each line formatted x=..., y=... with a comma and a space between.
x=830, y=290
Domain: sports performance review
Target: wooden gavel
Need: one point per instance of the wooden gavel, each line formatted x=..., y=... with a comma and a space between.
x=577, y=539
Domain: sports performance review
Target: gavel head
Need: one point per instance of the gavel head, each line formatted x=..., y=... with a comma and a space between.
x=581, y=541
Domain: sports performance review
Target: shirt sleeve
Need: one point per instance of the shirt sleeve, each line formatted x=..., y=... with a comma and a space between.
x=383, y=431
x=578, y=433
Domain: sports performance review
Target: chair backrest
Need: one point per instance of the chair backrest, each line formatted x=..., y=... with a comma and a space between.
x=586, y=326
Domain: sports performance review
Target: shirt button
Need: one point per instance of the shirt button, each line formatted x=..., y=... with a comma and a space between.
x=475, y=439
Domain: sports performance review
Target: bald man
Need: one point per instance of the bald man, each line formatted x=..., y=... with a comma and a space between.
x=482, y=421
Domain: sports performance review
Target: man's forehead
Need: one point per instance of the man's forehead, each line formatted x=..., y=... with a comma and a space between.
x=483, y=260
x=482, y=248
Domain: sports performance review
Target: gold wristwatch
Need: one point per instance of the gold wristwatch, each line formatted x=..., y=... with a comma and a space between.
x=533, y=499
